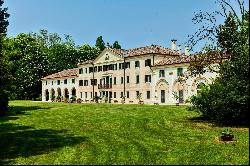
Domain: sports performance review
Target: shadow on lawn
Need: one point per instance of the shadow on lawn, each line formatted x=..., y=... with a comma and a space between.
x=23, y=109
x=24, y=141
x=14, y=111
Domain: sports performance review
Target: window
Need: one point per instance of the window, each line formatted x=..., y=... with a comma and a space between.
x=80, y=82
x=162, y=73
x=114, y=80
x=121, y=94
x=95, y=69
x=86, y=70
x=46, y=82
x=105, y=67
x=115, y=66
x=137, y=93
x=81, y=94
x=65, y=81
x=93, y=81
x=111, y=67
x=127, y=65
x=127, y=79
x=114, y=94
x=121, y=80
x=127, y=94
x=81, y=71
x=179, y=71
x=52, y=82
x=58, y=82
x=73, y=81
x=85, y=82
x=147, y=62
x=95, y=94
x=121, y=66
x=91, y=94
x=99, y=68
x=147, y=78
x=148, y=94
x=137, y=64
x=137, y=79
x=86, y=95
x=90, y=69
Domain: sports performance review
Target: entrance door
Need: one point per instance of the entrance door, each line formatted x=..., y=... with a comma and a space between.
x=181, y=100
x=162, y=96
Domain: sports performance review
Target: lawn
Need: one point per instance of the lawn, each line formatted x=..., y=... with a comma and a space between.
x=60, y=133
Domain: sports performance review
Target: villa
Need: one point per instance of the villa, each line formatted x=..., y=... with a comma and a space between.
x=151, y=74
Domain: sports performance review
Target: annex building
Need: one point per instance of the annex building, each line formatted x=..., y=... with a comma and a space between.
x=151, y=74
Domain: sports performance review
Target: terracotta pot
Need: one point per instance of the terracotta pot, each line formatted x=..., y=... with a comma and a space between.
x=227, y=137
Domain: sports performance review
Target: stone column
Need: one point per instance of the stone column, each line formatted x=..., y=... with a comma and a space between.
x=43, y=95
x=50, y=92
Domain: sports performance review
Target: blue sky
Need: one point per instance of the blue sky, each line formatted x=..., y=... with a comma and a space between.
x=134, y=23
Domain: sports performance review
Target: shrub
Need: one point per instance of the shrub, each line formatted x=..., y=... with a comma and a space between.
x=73, y=99
x=220, y=102
x=79, y=100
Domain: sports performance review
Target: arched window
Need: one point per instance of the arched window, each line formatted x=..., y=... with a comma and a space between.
x=199, y=86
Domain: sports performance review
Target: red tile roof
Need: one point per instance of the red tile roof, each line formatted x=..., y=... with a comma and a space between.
x=214, y=57
x=64, y=73
x=153, y=49
x=174, y=60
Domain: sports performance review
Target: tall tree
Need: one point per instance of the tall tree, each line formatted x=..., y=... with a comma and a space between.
x=116, y=45
x=227, y=98
x=4, y=72
x=100, y=43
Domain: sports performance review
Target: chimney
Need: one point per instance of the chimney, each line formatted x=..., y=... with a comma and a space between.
x=187, y=50
x=173, y=44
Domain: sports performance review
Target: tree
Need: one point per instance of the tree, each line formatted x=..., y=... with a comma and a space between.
x=227, y=98
x=116, y=45
x=4, y=71
x=100, y=43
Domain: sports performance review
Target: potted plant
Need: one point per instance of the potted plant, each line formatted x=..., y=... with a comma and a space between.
x=97, y=99
x=227, y=135
x=176, y=98
x=140, y=98
x=52, y=97
x=123, y=99
x=73, y=99
x=58, y=98
x=79, y=100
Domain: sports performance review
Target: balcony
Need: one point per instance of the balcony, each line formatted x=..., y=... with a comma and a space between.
x=104, y=86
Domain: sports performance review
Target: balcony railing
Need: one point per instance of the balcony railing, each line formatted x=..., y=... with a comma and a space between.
x=104, y=86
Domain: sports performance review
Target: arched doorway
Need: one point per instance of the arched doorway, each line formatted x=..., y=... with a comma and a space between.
x=47, y=95
x=180, y=90
x=59, y=95
x=66, y=93
x=73, y=92
x=198, y=83
x=52, y=96
x=162, y=91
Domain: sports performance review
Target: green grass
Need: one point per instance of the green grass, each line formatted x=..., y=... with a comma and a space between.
x=59, y=133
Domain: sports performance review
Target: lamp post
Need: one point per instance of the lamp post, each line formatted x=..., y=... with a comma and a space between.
x=124, y=68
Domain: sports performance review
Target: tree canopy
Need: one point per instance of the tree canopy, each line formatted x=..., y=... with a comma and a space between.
x=4, y=68
x=227, y=98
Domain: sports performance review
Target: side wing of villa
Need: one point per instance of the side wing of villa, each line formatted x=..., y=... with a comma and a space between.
x=152, y=74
